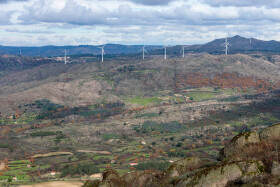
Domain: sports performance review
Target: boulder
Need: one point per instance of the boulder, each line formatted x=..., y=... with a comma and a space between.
x=111, y=178
x=252, y=170
x=89, y=183
x=144, y=178
x=183, y=166
x=214, y=176
x=221, y=175
x=237, y=143
x=270, y=133
x=251, y=166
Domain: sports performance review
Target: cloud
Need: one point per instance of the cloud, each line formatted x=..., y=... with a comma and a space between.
x=243, y=3
x=80, y=14
x=9, y=1
x=127, y=20
x=15, y=30
x=152, y=2
x=5, y=17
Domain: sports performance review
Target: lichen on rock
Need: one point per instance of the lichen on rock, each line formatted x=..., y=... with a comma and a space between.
x=237, y=143
x=183, y=166
x=270, y=133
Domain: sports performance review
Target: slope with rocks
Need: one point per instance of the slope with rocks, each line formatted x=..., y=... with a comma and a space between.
x=256, y=165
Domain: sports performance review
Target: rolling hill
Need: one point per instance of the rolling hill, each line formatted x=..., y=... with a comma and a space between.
x=46, y=51
x=238, y=44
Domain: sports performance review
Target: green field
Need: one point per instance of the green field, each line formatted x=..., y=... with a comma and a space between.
x=144, y=101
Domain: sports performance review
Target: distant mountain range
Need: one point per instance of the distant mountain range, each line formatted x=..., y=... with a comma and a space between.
x=47, y=51
x=238, y=44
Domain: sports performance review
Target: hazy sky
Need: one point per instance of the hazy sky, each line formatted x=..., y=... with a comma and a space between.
x=81, y=22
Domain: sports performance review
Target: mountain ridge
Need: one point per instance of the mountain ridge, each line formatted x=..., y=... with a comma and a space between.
x=238, y=44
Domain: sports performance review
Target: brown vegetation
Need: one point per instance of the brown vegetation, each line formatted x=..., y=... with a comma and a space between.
x=224, y=80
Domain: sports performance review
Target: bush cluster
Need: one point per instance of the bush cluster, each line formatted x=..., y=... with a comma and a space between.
x=80, y=169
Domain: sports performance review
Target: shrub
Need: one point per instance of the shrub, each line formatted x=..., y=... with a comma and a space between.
x=80, y=169
x=176, y=154
x=179, y=144
x=170, y=127
x=153, y=165
x=47, y=105
x=42, y=133
x=7, y=146
x=111, y=136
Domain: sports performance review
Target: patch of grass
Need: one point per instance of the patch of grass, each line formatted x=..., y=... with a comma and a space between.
x=52, y=154
x=96, y=157
x=111, y=136
x=153, y=165
x=146, y=115
x=200, y=96
x=19, y=162
x=42, y=133
x=105, y=77
x=149, y=126
x=7, y=146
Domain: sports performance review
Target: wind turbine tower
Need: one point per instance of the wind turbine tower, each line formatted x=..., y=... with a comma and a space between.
x=183, y=51
x=226, y=44
x=102, y=52
x=20, y=51
x=144, y=50
x=65, y=56
x=164, y=47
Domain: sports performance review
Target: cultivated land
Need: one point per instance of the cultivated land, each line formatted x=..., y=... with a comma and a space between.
x=82, y=118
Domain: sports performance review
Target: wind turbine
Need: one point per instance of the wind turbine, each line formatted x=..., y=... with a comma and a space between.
x=102, y=52
x=65, y=56
x=226, y=44
x=144, y=51
x=183, y=51
x=165, y=50
x=20, y=51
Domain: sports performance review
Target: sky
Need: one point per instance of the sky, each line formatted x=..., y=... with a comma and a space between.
x=142, y=22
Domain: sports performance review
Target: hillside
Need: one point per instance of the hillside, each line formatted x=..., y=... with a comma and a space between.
x=238, y=44
x=80, y=119
x=77, y=84
x=251, y=160
x=51, y=51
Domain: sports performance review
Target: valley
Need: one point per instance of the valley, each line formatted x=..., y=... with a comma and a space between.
x=129, y=114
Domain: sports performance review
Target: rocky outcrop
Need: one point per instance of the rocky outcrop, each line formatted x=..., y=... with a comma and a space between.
x=270, y=133
x=249, y=158
x=223, y=174
x=216, y=176
x=237, y=143
x=111, y=178
x=94, y=183
x=183, y=166
x=145, y=178
x=232, y=149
